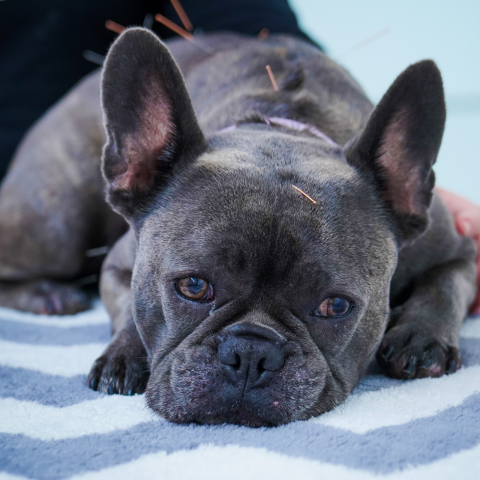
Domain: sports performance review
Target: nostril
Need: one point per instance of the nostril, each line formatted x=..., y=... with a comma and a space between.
x=249, y=362
x=238, y=362
x=274, y=360
x=228, y=355
x=261, y=366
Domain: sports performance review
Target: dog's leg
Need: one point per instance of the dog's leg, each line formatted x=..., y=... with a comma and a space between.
x=52, y=208
x=123, y=367
x=423, y=335
x=44, y=297
x=43, y=241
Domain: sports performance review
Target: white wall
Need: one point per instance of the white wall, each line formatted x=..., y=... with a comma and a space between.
x=446, y=31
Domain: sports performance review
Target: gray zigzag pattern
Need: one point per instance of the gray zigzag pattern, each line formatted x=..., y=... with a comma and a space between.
x=382, y=450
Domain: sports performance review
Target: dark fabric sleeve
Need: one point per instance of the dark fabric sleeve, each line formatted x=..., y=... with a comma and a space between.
x=42, y=45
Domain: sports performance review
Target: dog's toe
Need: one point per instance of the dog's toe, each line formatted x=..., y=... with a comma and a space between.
x=408, y=352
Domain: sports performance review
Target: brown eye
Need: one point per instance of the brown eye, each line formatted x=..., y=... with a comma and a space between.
x=333, y=307
x=195, y=289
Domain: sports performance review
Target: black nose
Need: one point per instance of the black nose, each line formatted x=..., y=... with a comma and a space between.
x=249, y=360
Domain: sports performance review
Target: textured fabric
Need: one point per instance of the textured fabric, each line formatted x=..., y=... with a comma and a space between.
x=53, y=427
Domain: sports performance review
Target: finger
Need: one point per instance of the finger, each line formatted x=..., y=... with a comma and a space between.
x=464, y=226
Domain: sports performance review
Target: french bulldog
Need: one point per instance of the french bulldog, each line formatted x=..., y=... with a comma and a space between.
x=267, y=244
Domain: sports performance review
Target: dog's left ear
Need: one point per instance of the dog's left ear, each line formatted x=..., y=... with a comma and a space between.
x=400, y=144
x=149, y=118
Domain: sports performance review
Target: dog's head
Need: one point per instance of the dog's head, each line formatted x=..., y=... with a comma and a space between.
x=256, y=305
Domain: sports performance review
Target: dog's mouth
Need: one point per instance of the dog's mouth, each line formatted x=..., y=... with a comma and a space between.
x=254, y=409
x=245, y=381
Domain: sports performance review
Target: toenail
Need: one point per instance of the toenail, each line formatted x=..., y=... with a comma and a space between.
x=411, y=367
x=427, y=363
x=451, y=366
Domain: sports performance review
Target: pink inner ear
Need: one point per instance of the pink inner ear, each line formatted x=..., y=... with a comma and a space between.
x=142, y=149
x=402, y=173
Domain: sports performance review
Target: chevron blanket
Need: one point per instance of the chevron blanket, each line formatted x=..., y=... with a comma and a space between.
x=53, y=427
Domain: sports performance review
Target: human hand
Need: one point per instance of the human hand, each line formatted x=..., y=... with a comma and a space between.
x=466, y=215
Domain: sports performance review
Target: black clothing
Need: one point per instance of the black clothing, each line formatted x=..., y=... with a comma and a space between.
x=41, y=45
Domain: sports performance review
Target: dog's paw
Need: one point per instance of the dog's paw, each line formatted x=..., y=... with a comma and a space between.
x=408, y=352
x=118, y=372
x=49, y=298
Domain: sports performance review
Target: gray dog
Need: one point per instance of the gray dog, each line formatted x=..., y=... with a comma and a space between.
x=277, y=239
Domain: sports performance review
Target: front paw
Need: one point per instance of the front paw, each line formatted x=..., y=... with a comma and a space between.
x=407, y=352
x=120, y=370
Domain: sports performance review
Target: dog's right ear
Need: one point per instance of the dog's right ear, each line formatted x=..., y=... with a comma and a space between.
x=150, y=123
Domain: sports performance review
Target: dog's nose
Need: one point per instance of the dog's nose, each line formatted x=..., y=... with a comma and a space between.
x=250, y=360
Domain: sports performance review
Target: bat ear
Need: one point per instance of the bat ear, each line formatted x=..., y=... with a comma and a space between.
x=150, y=123
x=400, y=144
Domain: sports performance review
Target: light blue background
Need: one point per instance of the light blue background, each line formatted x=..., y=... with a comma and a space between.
x=446, y=31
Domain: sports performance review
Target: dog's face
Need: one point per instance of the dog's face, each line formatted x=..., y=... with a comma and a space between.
x=256, y=305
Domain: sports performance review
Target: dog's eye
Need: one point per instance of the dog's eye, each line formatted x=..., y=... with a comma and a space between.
x=195, y=288
x=334, y=307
